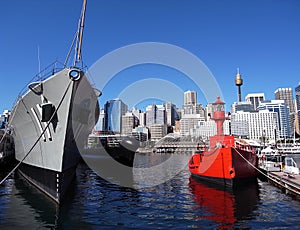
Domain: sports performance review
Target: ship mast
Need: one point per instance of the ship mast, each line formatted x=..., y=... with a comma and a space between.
x=77, y=58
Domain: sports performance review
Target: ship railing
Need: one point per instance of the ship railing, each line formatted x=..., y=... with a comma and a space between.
x=48, y=71
x=43, y=74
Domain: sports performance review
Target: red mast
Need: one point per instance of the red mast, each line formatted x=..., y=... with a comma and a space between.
x=218, y=115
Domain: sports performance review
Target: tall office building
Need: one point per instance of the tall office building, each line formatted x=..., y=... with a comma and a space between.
x=142, y=119
x=286, y=94
x=284, y=121
x=158, y=131
x=136, y=113
x=188, y=122
x=100, y=124
x=171, y=113
x=161, y=116
x=190, y=104
x=151, y=115
x=114, y=110
x=190, y=97
x=156, y=121
x=255, y=99
x=297, y=90
x=128, y=123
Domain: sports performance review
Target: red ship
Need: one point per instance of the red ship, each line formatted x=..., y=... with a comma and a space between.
x=226, y=161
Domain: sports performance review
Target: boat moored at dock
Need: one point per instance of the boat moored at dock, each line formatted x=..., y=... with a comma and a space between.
x=226, y=161
x=50, y=124
x=121, y=148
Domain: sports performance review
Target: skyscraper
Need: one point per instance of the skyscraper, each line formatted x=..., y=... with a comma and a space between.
x=161, y=116
x=114, y=109
x=100, y=124
x=286, y=94
x=171, y=113
x=155, y=114
x=255, y=99
x=297, y=90
x=128, y=123
x=190, y=97
x=284, y=121
x=151, y=115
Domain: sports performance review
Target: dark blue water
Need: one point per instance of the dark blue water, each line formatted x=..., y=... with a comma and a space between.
x=180, y=203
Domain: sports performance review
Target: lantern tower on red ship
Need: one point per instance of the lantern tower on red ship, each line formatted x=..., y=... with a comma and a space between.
x=219, y=115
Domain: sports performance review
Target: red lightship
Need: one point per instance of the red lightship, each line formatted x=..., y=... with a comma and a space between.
x=226, y=161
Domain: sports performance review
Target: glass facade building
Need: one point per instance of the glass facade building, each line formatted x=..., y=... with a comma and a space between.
x=114, y=110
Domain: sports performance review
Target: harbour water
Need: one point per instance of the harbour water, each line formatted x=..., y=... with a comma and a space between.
x=179, y=203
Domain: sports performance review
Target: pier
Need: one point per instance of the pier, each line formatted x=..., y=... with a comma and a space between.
x=171, y=147
x=289, y=184
x=274, y=173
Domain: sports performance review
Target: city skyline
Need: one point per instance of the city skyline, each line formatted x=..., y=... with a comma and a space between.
x=260, y=38
x=271, y=120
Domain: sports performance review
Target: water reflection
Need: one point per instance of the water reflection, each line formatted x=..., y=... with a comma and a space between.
x=224, y=206
x=26, y=207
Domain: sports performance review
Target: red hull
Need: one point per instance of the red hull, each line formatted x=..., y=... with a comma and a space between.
x=224, y=165
x=227, y=161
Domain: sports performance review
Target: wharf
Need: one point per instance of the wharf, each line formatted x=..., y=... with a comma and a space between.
x=289, y=184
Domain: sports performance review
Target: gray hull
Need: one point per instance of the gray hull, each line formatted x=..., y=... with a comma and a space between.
x=52, y=161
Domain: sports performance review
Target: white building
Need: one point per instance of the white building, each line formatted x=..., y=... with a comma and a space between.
x=188, y=122
x=141, y=133
x=255, y=99
x=100, y=123
x=128, y=123
x=255, y=125
x=205, y=129
x=190, y=97
x=283, y=113
x=158, y=131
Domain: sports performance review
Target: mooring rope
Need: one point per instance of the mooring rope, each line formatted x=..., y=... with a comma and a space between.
x=44, y=130
x=255, y=166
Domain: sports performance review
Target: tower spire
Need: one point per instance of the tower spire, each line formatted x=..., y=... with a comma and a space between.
x=239, y=83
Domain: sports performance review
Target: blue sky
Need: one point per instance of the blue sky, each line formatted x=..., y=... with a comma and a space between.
x=261, y=37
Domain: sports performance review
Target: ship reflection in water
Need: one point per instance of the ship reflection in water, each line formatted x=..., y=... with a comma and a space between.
x=224, y=206
x=179, y=203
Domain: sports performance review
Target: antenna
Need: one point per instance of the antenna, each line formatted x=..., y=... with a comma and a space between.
x=39, y=63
